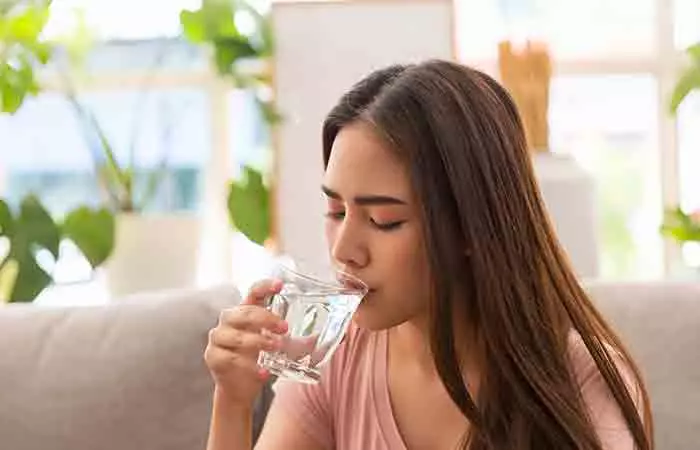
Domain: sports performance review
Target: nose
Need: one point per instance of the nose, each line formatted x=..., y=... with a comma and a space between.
x=348, y=247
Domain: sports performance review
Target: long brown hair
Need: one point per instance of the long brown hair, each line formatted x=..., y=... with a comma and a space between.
x=491, y=245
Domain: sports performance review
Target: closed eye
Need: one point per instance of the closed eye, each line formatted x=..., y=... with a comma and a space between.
x=388, y=226
x=337, y=215
x=382, y=226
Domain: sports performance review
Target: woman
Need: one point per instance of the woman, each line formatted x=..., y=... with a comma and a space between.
x=476, y=333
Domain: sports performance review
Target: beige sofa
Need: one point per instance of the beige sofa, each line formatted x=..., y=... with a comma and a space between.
x=130, y=375
x=660, y=323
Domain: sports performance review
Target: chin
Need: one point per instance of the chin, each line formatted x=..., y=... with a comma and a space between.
x=369, y=317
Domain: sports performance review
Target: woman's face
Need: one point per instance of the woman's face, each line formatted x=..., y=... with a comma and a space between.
x=373, y=227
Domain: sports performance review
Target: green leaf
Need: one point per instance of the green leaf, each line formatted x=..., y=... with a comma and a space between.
x=215, y=19
x=243, y=80
x=9, y=268
x=21, y=48
x=229, y=50
x=112, y=165
x=270, y=112
x=680, y=226
x=694, y=52
x=43, y=52
x=219, y=18
x=154, y=179
x=31, y=280
x=689, y=81
x=6, y=221
x=249, y=206
x=27, y=25
x=32, y=229
x=116, y=181
x=38, y=225
x=192, y=23
x=92, y=231
x=11, y=97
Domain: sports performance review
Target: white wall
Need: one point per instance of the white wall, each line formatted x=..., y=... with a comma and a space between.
x=322, y=49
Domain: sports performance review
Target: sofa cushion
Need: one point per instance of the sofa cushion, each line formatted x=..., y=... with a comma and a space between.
x=126, y=375
x=660, y=324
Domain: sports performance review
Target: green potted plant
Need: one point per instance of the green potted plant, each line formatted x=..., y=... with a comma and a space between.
x=144, y=258
x=141, y=258
x=28, y=229
x=242, y=57
x=678, y=224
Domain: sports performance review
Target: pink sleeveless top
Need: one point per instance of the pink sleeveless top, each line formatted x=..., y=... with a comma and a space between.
x=350, y=408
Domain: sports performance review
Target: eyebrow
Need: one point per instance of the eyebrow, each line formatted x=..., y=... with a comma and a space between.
x=365, y=200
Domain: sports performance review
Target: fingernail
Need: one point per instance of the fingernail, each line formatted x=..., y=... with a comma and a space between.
x=263, y=374
x=282, y=326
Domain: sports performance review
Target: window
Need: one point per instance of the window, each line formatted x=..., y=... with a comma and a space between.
x=45, y=151
x=613, y=64
x=608, y=124
x=149, y=95
x=148, y=88
x=689, y=151
x=689, y=165
x=250, y=143
x=687, y=20
x=607, y=111
x=574, y=29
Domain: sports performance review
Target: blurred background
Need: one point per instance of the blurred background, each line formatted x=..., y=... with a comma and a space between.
x=116, y=111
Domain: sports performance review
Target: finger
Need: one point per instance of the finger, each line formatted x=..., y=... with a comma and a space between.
x=252, y=318
x=261, y=291
x=298, y=348
x=225, y=361
x=244, y=342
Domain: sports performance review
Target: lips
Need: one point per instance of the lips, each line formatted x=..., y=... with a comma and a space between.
x=356, y=286
x=352, y=282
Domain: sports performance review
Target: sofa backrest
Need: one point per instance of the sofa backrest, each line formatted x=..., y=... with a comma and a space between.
x=660, y=324
x=130, y=374
x=127, y=375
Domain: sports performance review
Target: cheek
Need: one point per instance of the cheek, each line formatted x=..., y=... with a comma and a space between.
x=330, y=229
x=408, y=264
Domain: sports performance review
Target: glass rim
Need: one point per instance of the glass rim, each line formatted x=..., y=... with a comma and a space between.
x=357, y=286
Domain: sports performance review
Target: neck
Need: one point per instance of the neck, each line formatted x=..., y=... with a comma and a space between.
x=410, y=343
x=410, y=347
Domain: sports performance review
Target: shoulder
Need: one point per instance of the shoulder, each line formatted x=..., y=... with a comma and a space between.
x=586, y=370
x=603, y=409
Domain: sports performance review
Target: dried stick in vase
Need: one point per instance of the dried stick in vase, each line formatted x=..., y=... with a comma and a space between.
x=527, y=76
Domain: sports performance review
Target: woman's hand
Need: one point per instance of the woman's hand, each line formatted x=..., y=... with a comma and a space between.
x=235, y=343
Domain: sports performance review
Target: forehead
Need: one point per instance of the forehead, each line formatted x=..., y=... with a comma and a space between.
x=361, y=162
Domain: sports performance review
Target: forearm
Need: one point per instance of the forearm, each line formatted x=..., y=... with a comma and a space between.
x=231, y=425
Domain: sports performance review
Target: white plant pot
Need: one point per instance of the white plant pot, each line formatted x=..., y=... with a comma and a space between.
x=153, y=252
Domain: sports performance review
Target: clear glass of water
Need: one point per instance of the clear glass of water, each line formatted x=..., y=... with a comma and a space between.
x=318, y=310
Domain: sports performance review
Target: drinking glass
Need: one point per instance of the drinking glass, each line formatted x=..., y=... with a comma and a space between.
x=318, y=310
